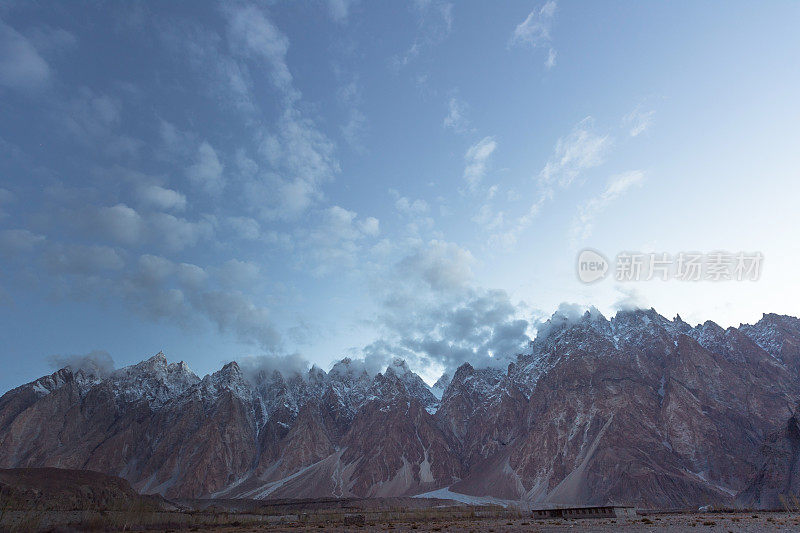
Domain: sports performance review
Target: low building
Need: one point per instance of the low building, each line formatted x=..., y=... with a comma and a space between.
x=595, y=511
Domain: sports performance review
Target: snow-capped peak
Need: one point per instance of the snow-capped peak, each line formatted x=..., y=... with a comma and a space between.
x=441, y=385
x=398, y=367
x=153, y=380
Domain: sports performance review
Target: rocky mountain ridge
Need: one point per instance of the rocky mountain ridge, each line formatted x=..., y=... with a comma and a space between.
x=637, y=408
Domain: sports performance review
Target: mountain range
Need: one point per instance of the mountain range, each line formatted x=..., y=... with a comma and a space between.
x=637, y=409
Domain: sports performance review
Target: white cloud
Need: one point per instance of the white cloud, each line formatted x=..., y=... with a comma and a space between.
x=295, y=156
x=121, y=223
x=355, y=129
x=124, y=225
x=630, y=299
x=21, y=66
x=94, y=120
x=550, y=62
x=488, y=218
x=301, y=158
x=175, y=233
x=434, y=24
x=191, y=276
x=336, y=240
x=370, y=226
x=161, y=198
x=98, y=362
x=47, y=39
x=407, y=207
x=477, y=158
x=638, y=121
x=588, y=212
x=253, y=34
x=6, y=197
x=456, y=118
x=239, y=274
x=442, y=266
x=19, y=240
x=175, y=140
x=535, y=29
x=245, y=227
x=206, y=172
x=254, y=368
x=80, y=259
x=432, y=316
x=340, y=9
x=234, y=312
x=153, y=270
x=581, y=150
x=226, y=80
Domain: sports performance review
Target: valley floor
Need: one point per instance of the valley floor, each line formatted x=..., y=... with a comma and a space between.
x=429, y=520
x=712, y=522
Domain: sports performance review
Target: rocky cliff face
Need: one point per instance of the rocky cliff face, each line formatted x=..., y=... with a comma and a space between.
x=776, y=484
x=637, y=409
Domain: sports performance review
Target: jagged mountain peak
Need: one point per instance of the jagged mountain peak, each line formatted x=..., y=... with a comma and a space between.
x=636, y=382
x=564, y=319
x=400, y=380
x=467, y=377
x=348, y=369
x=153, y=380
x=772, y=332
x=230, y=377
x=231, y=372
x=712, y=326
x=638, y=315
x=775, y=318
x=399, y=367
x=441, y=385
x=155, y=363
x=315, y=373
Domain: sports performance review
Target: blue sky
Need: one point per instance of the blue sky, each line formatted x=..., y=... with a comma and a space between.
x=293, y=182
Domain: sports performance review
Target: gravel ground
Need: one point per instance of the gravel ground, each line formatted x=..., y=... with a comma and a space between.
x=736, y=522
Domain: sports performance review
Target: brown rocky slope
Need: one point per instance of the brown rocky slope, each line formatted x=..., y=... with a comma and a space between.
x=637, y=409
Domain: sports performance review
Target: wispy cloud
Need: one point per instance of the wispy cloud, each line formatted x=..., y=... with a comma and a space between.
x=252, y=34
x=335, y=242
x=477, y=159
x=301, y=159
x=123, y=225
x=6, y=198
x=21, y=66
x=206, y=172
x=340, y=9
x=456, y=118
x=434, y=24
x=550, y=62
x=535, y=30
x=14, y=241
x=161, y=198
x=638, y=121
x=582, y=149
x=617, y=185
x=407, y=206
x=355, y=128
